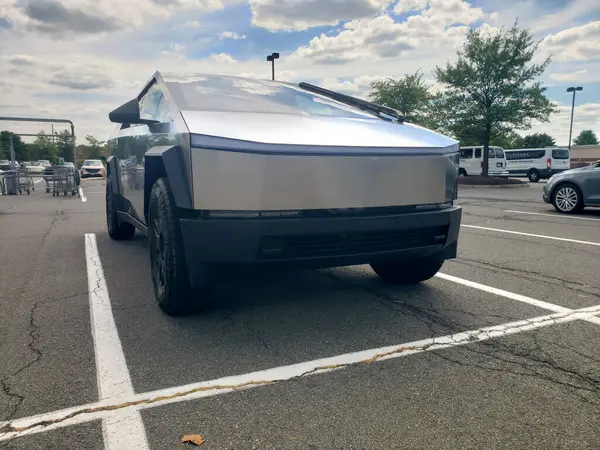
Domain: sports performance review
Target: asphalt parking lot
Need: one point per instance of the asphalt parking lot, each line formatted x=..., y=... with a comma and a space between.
x=499, y=351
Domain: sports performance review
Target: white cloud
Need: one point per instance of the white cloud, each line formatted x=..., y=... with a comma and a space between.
x=303, y=14
x=587, y=116
x=222, y=58
x=404, y=6
x=569, y=76
x=437, y=27
x=94, y=17
x=231, y=35
x=579, y=43
x=191, y=24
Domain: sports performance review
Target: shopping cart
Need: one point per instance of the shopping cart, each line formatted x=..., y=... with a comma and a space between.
x=63, y=180
x=24, y=181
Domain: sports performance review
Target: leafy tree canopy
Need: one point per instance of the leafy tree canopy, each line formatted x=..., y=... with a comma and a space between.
x=493, y=88
x=586, y=137
x=538, y=140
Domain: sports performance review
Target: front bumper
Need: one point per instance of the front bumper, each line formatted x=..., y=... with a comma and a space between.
x=546, y=193
x=319, y=242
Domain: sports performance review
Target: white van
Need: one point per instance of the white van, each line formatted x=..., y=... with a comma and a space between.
x=471, y=161
x=537, y=163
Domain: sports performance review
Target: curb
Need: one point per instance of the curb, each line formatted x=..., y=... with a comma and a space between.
x=493, y=186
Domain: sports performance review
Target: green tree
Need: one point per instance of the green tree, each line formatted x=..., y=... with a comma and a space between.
x=508, y=140
x=586, y=137
x=64, y=145
x=22, y=152
x=492, y=90
x=538, y=140
x=96, y=148
x=44, y=146
x=410, y=95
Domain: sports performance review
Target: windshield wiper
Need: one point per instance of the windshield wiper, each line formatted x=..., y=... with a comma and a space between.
x=353, y=101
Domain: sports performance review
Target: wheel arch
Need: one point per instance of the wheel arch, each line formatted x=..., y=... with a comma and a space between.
x=113, y=173
x=166, y=161
x=571, y=182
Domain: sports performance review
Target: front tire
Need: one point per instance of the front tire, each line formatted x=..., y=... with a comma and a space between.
x=118, y=231
x=408, y=272
x=534, y=176
x=170, y=277
x=567, y=199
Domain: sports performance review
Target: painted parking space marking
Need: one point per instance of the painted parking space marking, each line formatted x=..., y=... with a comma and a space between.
x=119, y=406
x=127, y=405
x=511, y=295
x=114, y=380
x=560, y=216
x=82, y=195
x=541, y=236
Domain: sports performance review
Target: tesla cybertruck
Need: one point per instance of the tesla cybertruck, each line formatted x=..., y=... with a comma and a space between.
x=224, y=173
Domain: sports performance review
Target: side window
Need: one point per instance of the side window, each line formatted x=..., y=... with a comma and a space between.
x=466, y=153
x=163, y=114
x=149, y=103
x=478, y=153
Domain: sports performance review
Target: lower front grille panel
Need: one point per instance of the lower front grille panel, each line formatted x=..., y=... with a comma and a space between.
x=309, y=246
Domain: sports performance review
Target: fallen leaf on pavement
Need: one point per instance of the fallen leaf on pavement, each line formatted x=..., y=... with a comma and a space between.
x=195, y=439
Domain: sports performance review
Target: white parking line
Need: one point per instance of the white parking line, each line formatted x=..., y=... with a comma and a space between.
x=575, y=241
x=82, y=195
x=560, y=216
x=126, y=430
x=511, y=295
x=130, y=404
x=38, y=181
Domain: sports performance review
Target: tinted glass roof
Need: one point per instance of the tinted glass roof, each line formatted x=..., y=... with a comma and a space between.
x=236, y=94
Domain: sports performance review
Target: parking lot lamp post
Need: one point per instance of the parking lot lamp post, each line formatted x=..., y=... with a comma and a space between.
x=272, y=57
x=573, y=90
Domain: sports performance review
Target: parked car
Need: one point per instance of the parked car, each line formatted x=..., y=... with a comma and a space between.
x=45, y=162
x=239, y=172
x=537, y=163
x=471, y=161
x=572, y=190
x=4, y=164
x=33, y=167
x=92, y=168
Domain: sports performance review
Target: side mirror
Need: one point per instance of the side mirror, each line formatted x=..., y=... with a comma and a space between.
x=128, y=113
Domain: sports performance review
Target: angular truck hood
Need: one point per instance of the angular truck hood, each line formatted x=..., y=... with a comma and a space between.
x=281, y=130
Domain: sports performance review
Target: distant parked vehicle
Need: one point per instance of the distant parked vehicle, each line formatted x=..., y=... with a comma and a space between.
x=93, y=168
x=537, y=163
x=572, y=190
x=34, y=167
x=471, y=161
x=45, y=162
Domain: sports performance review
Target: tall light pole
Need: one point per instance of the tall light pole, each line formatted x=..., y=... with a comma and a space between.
x=272, y=57
x=573, y=90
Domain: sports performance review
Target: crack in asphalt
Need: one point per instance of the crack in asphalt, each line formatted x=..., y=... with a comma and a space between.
x=256, y=332
x=33, y=335
x=8, y=428
x=439, y=319
x=531, y=274
x=542, y=367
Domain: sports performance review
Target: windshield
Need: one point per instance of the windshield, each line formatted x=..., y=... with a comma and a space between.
x=92, y=162
x=36, y=163
x=232, y=94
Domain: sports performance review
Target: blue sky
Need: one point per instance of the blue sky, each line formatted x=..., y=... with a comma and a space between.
x=81, y=58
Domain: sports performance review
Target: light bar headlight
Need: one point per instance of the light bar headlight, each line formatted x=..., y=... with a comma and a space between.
x=432, y=206
x=251, y=214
